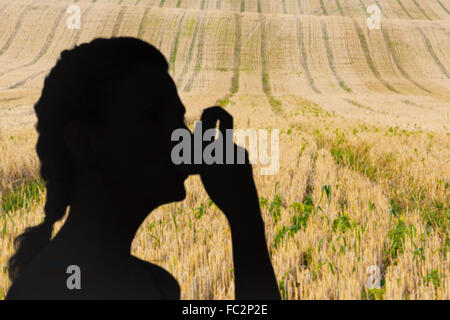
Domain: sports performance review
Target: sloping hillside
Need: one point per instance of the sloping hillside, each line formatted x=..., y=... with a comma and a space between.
x=320, y=50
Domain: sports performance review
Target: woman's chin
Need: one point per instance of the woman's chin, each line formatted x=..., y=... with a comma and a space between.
x=180, y=194
x=176, y=194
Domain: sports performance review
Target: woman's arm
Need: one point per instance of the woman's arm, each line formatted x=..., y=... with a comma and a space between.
x=233, y=190
x=253, y=271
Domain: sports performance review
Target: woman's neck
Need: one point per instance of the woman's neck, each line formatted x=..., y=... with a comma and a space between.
x=101, y=221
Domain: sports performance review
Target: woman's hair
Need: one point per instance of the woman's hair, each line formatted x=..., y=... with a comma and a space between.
x=75, y=89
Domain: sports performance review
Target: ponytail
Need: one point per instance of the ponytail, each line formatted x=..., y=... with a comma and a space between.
x=27, y=245
x=34, y=239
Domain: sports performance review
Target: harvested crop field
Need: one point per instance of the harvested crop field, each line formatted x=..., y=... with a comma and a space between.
x=364, y=119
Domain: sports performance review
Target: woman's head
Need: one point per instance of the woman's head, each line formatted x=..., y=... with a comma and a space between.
x=108, y=106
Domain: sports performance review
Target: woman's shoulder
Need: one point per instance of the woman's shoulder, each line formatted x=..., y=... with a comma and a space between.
x=39, y=282
x=48, y=279
x=166, y=282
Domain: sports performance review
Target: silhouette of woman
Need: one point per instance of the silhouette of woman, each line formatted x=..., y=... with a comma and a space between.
x=105, y=119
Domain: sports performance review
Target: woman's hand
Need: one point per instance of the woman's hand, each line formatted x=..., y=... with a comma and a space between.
x=230, y=186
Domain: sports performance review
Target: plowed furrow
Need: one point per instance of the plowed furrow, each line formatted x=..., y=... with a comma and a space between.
x=369, y=60
x=330, y=58
x=46, y=45
x=118, y=22
x=15, y=30
x=397, y=61
x=433, y=54
x=443, y=7
x=187, y=63
x=198, y=65
x=234, y=86
x=304, y=57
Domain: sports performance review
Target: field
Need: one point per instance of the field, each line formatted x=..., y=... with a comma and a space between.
x=364, y=119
